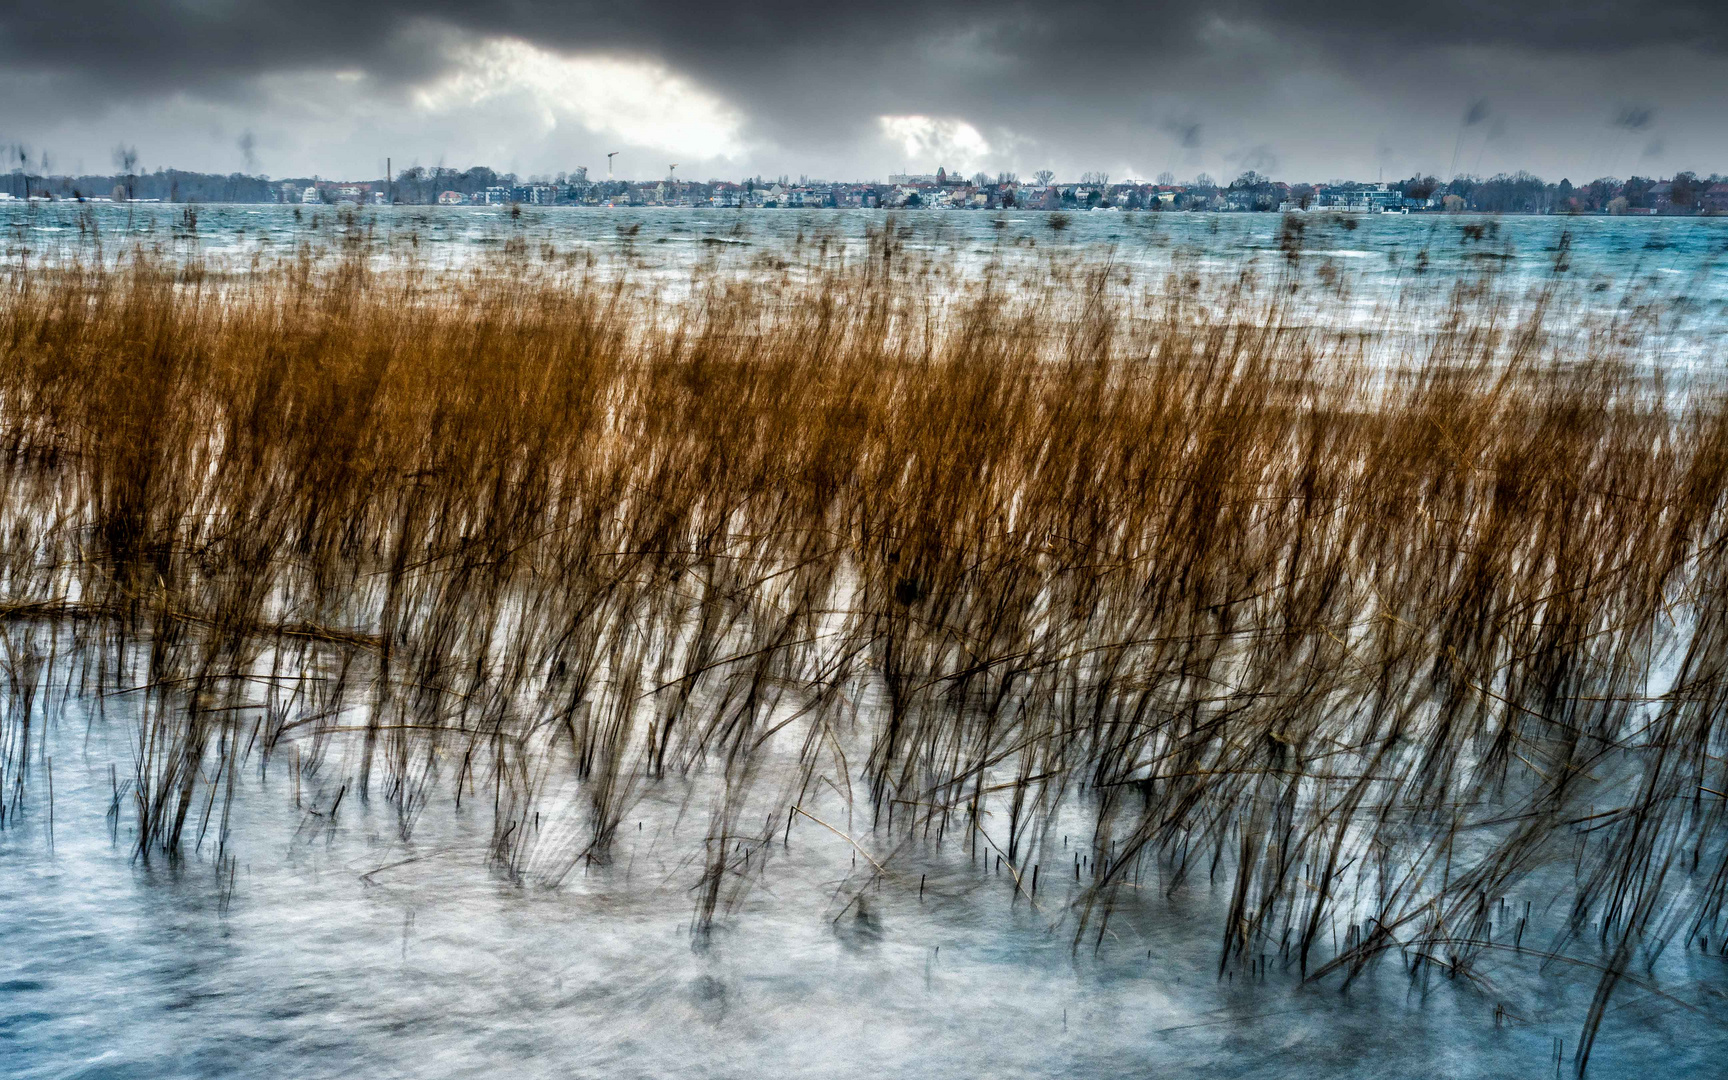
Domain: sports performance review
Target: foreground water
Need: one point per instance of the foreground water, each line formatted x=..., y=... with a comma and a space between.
x=320, y=943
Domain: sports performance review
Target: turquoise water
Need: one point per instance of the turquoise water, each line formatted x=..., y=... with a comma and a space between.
x=1687, y=255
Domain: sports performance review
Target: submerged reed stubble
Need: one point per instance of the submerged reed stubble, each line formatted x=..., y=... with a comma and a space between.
x=1376, y=641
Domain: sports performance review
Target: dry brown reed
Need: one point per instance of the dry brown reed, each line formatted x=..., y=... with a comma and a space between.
x=1382, y=642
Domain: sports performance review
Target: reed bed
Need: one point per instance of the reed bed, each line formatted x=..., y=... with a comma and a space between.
x=1375, y=636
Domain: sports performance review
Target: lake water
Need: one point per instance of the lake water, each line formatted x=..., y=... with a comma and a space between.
x=321, y=942
x=325, y=945
x=1685, y=256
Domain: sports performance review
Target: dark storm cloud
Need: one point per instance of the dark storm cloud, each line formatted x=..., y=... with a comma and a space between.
x=187, y=43
x=1093, y=73
x=1259, y=158
x=1186, y=132
x=1634, y=117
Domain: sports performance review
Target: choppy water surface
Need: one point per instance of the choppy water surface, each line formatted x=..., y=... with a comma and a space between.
x=309, y=933
x=1380, y=251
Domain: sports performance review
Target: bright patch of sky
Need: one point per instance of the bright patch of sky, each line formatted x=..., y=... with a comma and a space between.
x=639, y=102
x=931, y=142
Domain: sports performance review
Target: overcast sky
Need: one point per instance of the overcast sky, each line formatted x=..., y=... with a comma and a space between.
x=1310, y=91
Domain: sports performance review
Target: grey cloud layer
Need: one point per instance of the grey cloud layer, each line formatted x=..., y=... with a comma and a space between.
x=1086, y=75
x=182, y=42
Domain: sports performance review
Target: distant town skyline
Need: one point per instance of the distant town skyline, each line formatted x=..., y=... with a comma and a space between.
x=1686, y=193
x=1610, y=88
